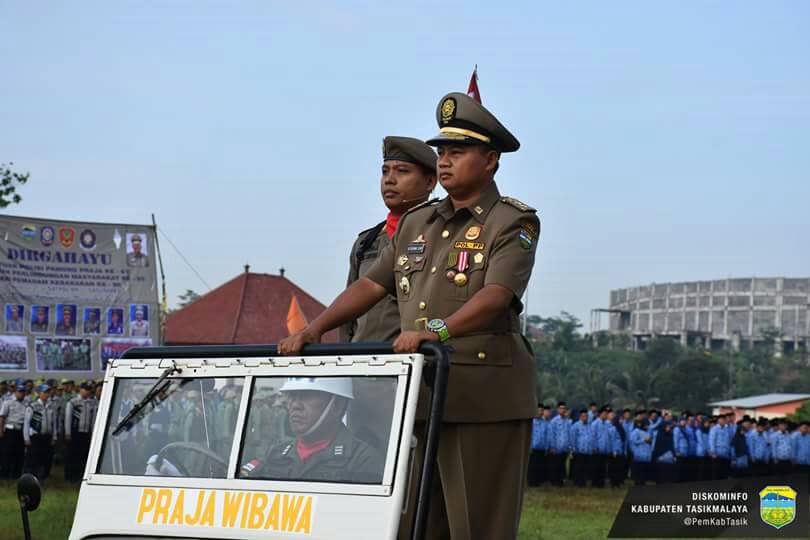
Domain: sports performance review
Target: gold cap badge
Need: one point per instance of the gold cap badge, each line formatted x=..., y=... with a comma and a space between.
x=448, y=110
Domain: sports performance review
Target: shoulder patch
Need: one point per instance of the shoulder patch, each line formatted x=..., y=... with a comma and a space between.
x=520, y=205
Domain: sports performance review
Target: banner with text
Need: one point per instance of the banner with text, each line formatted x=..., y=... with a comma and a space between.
x=74, y=295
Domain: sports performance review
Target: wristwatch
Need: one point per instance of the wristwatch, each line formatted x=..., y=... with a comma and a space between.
x=439, y=327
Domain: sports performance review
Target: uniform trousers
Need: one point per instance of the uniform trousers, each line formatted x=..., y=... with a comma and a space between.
x=39, y=457
x=598, y=470
x=781, y=467
x=665, y=473
x=13, y=453
x=537, y=466
x=616, y=469
x=641, y=472
x=78, y=448
x=704, y=468
x=580, y=468
x=556, y=467
x=478, y=486
x=759, y=468
x=720, y=468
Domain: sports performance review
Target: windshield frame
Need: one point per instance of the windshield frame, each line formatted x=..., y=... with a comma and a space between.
x=406, y=368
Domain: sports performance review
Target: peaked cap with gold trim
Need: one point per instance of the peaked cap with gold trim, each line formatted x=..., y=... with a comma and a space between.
x=462, y=120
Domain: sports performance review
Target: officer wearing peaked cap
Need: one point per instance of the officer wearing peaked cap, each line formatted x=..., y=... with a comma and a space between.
x=466, y=262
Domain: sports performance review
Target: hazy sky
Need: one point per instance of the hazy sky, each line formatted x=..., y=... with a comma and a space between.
x=659, y=143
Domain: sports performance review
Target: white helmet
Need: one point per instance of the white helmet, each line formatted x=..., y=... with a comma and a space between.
x=338, y=386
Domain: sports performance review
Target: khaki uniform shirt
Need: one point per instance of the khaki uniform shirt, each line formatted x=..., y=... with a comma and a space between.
x=380, y=323
x=492, y=374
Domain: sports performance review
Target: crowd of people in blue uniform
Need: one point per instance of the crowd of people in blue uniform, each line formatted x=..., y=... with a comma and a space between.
x=601, y=445
x=47, y=422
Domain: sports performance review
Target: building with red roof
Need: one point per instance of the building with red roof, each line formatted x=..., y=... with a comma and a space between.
x=249, y=309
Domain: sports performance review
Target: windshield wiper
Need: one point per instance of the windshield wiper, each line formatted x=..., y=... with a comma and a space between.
x=160, y=385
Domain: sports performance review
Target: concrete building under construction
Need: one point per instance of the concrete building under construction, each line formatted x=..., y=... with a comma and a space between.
x=726, y=313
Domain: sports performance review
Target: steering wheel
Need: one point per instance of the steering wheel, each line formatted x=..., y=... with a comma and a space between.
x=194, y=447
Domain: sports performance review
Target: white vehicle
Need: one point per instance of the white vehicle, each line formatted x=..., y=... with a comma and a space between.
x=234, y=442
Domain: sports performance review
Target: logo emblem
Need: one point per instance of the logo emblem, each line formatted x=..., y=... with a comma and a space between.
x=29, y=232
x=473, y=232
x=47, y=235
x=478, y=258
x=777, y=505
x=87, y=240
x=117, y=239
x=448, y=110
x=67, y=236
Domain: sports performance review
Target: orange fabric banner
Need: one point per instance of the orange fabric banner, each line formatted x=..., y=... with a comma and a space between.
x=296, y=320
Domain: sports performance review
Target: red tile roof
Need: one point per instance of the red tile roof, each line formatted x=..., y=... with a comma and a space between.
x=249, y=309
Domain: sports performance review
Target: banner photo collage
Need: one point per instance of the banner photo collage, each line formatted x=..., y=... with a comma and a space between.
x=74, y=295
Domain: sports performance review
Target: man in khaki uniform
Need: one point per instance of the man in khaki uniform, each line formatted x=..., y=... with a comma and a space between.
x=459, y=268
x=408, y=178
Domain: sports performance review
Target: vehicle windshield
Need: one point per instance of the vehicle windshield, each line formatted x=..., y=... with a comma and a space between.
x=187, y=430
x=317, y=429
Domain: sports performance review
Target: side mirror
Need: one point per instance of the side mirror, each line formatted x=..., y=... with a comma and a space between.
x=29, y=492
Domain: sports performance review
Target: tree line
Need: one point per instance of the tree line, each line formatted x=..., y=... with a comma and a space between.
x=571, y=368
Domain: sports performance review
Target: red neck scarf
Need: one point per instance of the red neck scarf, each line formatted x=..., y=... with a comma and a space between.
x=306, y=451
x=391, y=222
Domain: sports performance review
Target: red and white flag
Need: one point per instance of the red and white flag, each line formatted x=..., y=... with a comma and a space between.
x=472, y=90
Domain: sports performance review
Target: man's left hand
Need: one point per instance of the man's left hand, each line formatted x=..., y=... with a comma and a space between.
x=408, y=342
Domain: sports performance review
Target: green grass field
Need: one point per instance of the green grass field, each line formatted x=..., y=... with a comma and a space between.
x=549, y=513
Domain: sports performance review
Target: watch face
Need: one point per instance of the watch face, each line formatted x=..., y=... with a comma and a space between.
x=435, y=325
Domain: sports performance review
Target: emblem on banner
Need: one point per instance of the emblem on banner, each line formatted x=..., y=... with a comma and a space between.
x=117, y=239
x=87, y=240
x=67, y=235
x=777, y=505
x=29, y=232
x=47, y=235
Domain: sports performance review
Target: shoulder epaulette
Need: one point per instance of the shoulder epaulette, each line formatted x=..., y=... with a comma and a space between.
x=430, y=202
x=376, y=227
x=520, y=205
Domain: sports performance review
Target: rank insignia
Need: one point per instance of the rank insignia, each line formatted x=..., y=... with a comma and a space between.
x=478, y=210
x=402, y=260
x=419, y=239
x=478, y=258
x=473, y=232
x=526, y=239
x=405, y=285
x=469, y=245
x=418, y=259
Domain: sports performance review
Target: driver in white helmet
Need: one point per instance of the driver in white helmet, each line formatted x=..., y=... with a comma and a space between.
x=323, y=448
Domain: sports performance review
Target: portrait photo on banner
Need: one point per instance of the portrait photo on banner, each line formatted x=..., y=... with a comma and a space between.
x=113, y=348
x=66, y=319
x=91, y=321
x=58, y=354
x=39, y=319
x=138, y=320
x=137, y=250
x=115, y=321
x=15, y=318
x=14, y=353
